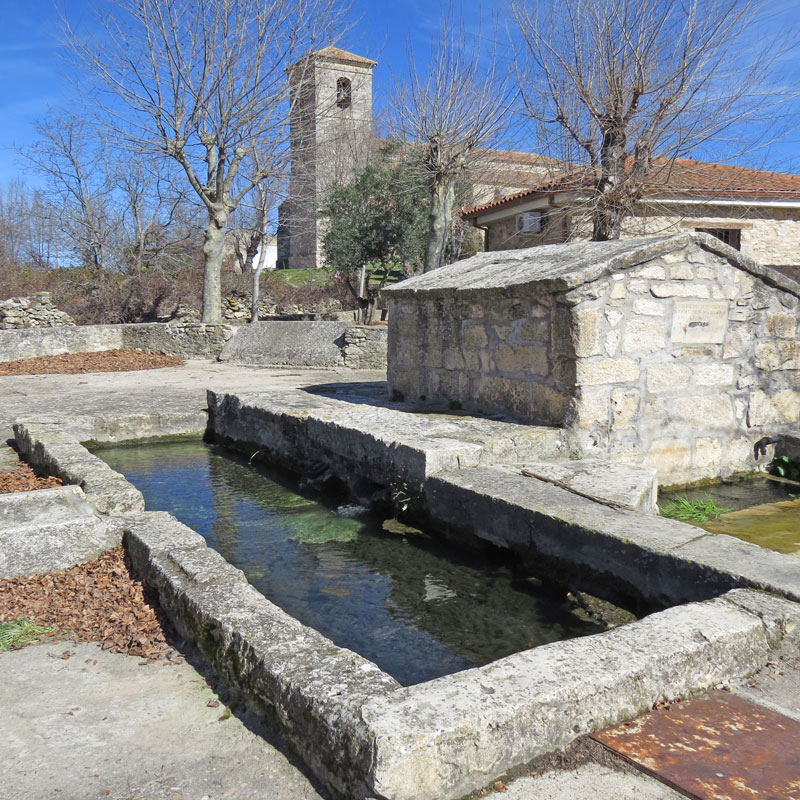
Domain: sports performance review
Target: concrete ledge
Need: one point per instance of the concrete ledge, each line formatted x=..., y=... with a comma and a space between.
x=381, y=443
x=444, y=738
x=49, y=529
x=621, y=485
x=294, y=675
x=606, y=551
x=59, y=454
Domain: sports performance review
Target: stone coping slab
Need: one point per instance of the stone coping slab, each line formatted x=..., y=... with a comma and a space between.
x=607, y=551
x=621, y=485
x=369, y=738
x=562, y=267
x=49, y=529
x=60, y=454
x=391, y=443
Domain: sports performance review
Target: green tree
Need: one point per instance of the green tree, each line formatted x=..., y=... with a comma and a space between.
x=376, y=224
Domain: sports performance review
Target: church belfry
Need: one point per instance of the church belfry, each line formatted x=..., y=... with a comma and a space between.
x=331, y=138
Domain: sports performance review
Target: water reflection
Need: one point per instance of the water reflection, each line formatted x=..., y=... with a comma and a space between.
x=417, y=609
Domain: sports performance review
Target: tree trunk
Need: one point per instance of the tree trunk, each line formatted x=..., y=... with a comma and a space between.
x=213, y=252
x=443, y=198
x=258, y=266
x=606, y=222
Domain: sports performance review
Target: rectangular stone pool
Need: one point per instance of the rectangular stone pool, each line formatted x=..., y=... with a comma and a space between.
x=415, y=607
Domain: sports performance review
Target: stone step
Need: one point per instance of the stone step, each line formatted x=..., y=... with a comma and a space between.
x=48, y=529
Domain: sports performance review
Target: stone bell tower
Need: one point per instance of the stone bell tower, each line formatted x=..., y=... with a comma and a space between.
x=331, y=138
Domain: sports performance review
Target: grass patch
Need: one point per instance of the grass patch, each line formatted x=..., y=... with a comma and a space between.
x=18, y=632
x=692, y=510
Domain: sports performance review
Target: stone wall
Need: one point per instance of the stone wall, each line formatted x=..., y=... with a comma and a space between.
x=36, y=311
x=365, y=346
x=190, y=340
x=677, y=353
x=651, y=389
x=494, y=356
x=308, y=343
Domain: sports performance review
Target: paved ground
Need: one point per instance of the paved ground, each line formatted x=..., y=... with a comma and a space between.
x=98, y=725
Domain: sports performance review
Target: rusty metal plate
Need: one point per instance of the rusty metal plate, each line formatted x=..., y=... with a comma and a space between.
x=715, y=747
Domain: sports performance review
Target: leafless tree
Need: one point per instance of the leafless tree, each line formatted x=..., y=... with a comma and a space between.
x=203, y=82
x=457, y=106
x=613, y=85
x=78, y=184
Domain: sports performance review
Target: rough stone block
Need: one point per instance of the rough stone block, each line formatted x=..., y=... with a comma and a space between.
x=667, y=377
x=522, y=358
x=624, y=406
x=782, y=325
x=679, y=289
x=778, y=355
x=591, y=372
x=714, y=374
x=643, y=334
x=704, y=412
x=587, y=331
x=645, y=306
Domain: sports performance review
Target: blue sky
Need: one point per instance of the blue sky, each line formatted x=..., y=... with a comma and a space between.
x=31, y=78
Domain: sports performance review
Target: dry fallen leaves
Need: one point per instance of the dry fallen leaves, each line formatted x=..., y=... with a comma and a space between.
x=124, y=360
x=24, y=479
x=99, y=601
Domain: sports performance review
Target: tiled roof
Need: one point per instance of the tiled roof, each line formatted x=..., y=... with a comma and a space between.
x=678, y=178
x=331, y=53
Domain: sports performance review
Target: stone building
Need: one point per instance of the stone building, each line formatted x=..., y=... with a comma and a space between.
x=331, y=137
x=677, y=352
x=753, y=211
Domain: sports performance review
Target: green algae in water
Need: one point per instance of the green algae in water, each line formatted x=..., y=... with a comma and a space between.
x=760, y=511
x=398, y=597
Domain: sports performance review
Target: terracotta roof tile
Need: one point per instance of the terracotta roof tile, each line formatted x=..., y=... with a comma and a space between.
x=678, y=178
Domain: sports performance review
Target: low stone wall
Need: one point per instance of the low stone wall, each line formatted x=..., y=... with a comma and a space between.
x=187, y=339
x=36, y=311
x=308, y=343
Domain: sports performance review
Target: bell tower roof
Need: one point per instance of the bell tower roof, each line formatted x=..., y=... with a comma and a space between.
x=336, y=55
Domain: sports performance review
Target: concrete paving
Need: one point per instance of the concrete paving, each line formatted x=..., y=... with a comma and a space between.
x=93, y=723
x=589, y=782
x=83, y=724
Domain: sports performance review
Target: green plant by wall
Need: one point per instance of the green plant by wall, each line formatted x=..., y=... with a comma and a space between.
x=692, y=509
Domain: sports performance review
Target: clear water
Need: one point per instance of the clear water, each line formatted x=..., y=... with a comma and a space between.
x=757, y=509
x=416, y=608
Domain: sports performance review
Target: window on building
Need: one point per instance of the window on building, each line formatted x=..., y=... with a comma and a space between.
x=344, y=92
x=731, y=236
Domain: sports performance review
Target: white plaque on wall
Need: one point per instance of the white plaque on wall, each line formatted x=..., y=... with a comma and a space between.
x=699, y=321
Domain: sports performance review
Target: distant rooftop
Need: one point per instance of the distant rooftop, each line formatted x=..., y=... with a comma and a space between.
x=673, y=179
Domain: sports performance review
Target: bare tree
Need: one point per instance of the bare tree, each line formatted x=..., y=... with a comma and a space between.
x=79, y=185
x=613, y=85
x=203, y=82
x=457, y=106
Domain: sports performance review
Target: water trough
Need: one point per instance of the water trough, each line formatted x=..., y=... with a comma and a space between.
x=357, y=728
